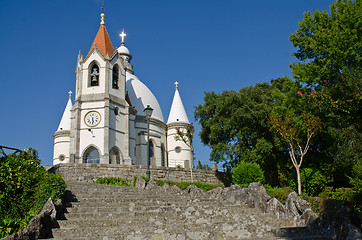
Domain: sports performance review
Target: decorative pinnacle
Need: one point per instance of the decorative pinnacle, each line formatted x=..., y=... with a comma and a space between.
x=70, y=94
x=176, y=84
x=102, y=19
x=122, y=35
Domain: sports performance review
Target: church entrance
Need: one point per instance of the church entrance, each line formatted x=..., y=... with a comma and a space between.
x=91, y=155
x=114, y=156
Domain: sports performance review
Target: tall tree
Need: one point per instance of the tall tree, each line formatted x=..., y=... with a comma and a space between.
x=329, y=50
x=235, y=126
x=297, y=133
x=328, y=44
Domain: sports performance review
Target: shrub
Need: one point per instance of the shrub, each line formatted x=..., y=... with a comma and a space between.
x=183, y=185
x=280, y=193
x=246, y=173
x=313, y=182
x=52, y=186
x=134, y=181
x=112, y=181
x=25, y=187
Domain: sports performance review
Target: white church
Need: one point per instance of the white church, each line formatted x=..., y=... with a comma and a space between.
x=107, y=124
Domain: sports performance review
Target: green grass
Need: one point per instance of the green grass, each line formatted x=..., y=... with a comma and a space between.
x=183, y=185
x=112, y=181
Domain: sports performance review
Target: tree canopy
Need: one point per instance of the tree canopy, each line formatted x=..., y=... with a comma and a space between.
x=326, y=86
x=328, y=44
x=235, y=126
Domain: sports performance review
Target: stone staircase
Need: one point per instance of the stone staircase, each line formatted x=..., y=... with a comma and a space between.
x=111, y=212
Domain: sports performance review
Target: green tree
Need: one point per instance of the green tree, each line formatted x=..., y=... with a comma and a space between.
x=246, y=173
x=328, y=44
x=235, y=126
x=329, y=48
x=297, y=132
x=231, y=122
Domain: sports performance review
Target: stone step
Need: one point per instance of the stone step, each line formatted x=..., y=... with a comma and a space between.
x=210, y=214
x=296, y=232
x=185, y=236
x=154, y=220
x=75, y=195
x=91, y=187
x=139, y=214
x=130, y=190
x=129, y=197
x=116, y=204
x=224, y=230
x=112, y=212
x=148, y=202
x=82, y=207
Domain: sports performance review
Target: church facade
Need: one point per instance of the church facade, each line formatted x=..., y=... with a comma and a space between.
x=107, y=122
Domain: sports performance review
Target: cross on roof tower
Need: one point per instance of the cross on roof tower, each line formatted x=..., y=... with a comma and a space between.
x=122, y=36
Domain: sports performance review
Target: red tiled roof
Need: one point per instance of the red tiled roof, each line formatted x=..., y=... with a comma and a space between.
x=103, y=42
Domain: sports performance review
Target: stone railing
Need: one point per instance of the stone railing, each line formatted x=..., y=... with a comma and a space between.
x=90, y=172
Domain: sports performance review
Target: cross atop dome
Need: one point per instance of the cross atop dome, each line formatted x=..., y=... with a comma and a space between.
x=176, y=84
x=70, y=94
x=122, y=35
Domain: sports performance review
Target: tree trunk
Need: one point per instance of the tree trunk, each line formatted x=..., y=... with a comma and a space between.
x=299, y=181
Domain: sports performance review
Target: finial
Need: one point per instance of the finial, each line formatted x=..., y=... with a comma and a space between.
x=102, y=19
x=122, y=36
x=70, y=94
x=176, y=84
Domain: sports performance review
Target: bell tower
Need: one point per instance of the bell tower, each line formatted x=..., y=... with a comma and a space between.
x=100, y=115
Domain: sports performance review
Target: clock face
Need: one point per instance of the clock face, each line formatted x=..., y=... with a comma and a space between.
x=92, y=119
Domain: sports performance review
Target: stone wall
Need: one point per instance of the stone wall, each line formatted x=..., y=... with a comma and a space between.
x=90, y=172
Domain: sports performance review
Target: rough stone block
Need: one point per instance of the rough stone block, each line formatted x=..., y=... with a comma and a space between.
x=152, y=184
x=216, y=193
x=140, y=183
x=274, y=206
x=295, y=205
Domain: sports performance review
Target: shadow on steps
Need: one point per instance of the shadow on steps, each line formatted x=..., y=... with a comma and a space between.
x=69, y=197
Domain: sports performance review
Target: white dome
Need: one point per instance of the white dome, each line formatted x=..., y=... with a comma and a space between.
x=123, y=50
x=140, y=96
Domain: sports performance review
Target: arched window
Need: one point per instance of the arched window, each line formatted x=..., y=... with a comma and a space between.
x=163, y=156
x=114, y=156
x=94, y=75
x=115, y=75
x=91, y=155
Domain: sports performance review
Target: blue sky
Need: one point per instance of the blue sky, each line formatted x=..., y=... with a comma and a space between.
x=205, y=45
